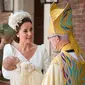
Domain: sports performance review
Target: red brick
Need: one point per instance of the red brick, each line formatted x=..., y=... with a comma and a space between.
x=82, y=5
x=80, y=25
x=78, y=39
x=83, y=37
x=83, y=30
x=83, y=10
x=81, y=1
x=76, y=6
x=77, y=16
x=73, y=1
x=78, y=20
x=77, y=12
x=78, y=30
x=81, y=44
x=83, y=16
x=4, y=17
x=78, y=35
x=83, y=49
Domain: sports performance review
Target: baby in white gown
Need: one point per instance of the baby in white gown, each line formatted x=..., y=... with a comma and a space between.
x=25, y=72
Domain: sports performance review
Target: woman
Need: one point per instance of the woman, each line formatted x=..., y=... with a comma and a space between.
x=24, y=49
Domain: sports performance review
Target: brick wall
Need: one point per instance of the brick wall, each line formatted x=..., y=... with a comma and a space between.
x=78, y=12
x=4, y=17
x=79, y=22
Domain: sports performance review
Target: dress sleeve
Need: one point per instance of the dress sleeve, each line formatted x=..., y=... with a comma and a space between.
x=53, y=76
x=6, y=52
x=46, y=59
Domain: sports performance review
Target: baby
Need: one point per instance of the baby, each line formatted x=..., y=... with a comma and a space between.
x=11, y=63
x=25, y=72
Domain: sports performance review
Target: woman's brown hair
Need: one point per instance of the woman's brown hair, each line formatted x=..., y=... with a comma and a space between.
x=16, y=39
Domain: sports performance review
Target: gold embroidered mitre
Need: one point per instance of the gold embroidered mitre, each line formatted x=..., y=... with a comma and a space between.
x=61, y=23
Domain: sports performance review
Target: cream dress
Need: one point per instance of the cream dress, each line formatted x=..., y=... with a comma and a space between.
x=22, y=76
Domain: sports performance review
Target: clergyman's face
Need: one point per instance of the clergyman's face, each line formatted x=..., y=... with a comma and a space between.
x=54, y=41
x=25, y=33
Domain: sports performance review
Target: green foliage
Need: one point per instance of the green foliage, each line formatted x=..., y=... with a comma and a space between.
x=6, y=30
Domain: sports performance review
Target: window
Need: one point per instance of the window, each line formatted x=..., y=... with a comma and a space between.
x=8, y=5
x=48, y=1
x=51, y=0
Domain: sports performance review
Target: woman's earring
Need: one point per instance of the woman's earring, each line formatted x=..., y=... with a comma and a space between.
x=17, y=35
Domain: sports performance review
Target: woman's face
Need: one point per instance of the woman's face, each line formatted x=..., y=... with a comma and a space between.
x=25, y=33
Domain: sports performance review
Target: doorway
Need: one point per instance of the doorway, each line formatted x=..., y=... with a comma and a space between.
x=38, y=22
